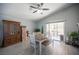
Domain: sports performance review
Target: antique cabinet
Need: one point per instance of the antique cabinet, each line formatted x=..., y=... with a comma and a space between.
x=11, y=32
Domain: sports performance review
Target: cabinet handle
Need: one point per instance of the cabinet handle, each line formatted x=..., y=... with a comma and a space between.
x=12, y=33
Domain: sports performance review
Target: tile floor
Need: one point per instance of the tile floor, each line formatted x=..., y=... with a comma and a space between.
x=56, y=48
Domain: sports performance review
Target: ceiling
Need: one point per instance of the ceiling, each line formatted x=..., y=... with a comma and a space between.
x=22, y=10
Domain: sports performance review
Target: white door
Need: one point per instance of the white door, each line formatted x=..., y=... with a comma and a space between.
x=55, y=30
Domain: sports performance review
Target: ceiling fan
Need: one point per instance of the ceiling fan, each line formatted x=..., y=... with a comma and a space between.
x=38, y=7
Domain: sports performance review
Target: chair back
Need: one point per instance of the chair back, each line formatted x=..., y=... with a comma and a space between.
x=32, y=40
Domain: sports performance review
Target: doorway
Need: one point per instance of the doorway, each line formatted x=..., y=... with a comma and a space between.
x=55, y=31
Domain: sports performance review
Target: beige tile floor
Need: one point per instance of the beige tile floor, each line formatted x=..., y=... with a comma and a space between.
x=56, y=48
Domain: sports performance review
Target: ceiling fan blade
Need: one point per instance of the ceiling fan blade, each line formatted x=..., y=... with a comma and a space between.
x=42, y=4
x=45, y=9
x=38, y=5
x=33, y=7
x=35, y=11
x=33, y=3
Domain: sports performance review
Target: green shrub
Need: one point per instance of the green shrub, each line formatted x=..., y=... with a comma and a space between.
x=74, y=35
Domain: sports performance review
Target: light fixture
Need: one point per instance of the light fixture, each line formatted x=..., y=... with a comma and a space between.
x=40, y=11
x=38, y=8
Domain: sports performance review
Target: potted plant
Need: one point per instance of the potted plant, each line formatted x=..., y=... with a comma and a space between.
x=37, y=30
x=73, y=36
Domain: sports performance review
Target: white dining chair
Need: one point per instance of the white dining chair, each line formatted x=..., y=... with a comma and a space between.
x=32, y=41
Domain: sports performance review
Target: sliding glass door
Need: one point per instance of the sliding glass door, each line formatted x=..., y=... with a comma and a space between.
x=55, y=31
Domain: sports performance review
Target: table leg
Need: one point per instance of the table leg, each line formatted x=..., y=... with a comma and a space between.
x=40, y=47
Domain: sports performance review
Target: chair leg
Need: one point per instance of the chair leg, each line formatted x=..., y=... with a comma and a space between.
x=35, y=50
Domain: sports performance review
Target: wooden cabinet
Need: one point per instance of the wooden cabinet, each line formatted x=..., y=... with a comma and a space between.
x=24, y=32
x=25, y=39
x=11, y=32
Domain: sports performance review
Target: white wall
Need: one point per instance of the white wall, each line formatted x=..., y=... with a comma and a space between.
x=69, y=15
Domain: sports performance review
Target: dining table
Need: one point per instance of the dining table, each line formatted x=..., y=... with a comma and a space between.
x=40, y=44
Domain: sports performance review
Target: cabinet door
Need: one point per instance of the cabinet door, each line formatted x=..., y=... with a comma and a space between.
x=6, y=29
x=6, y=34
x=12, y=33
x=17, y=30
